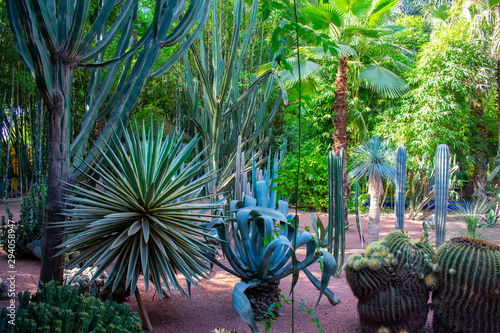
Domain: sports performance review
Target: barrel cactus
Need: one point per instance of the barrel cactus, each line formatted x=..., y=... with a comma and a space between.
x=468, y=298
x=391, y=281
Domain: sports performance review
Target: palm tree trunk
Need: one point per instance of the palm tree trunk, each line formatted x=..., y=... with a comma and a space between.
x=374, y=217
x=340, y=136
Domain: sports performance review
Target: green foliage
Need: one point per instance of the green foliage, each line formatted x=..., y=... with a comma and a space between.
x=268, y=320
x=467, y=299
x=61, y=309
x=142, y=221
x=440, y=108
x=313, y=177
x=29, y=228
x=389, y=280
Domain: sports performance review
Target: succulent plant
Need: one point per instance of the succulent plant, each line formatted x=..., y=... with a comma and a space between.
x=144, y=222
x=468, y=296
x=62, y=309
x=389, y=280
x=86, y=280
x=259, y=243
x=441, y=190
x=400, y=181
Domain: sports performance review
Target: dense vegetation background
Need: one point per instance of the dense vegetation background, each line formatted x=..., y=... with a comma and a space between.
x=445, y=52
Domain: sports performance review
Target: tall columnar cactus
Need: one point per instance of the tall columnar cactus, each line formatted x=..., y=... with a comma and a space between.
x=441, y=190
x=401, y=158
x=468, y=298
x=356, y=207
x=391, y=281
x=223, y=106
x=336, y=217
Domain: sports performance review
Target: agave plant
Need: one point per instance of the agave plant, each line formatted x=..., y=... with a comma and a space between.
x=141, y=222
x=260, y=247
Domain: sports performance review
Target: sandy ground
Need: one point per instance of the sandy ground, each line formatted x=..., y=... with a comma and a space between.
x=210, y=305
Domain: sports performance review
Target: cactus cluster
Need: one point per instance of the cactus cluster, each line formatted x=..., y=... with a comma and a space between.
x=391, y=281
x=468, y=298
x=61, y=309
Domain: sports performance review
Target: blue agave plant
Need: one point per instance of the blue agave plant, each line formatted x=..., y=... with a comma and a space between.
x=259, y=243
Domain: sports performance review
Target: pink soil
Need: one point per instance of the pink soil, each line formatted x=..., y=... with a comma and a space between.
x=210, y=305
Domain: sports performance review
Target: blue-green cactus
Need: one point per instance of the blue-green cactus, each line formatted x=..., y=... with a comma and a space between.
x=401, y=158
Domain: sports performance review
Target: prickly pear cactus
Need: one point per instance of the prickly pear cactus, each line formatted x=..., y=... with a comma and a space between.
x=391, y=281
x=468, y=297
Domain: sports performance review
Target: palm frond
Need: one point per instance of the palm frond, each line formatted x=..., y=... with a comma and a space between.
x=384, y=82
x=356, y=7
x=373, y=158
x=322, y=17
x=380, y=12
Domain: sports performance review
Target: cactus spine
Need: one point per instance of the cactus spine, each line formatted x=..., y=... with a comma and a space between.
x=468, y=299
x=336, y=208
x=389, y=280
x=441, y=190
x=401, y=158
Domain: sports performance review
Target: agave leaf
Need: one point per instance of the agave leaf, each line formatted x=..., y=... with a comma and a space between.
x=242, y=305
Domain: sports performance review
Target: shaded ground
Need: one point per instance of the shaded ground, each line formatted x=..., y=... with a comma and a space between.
x=210, y=305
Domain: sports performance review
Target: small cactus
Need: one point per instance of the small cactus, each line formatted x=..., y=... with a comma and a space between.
x=468, y=296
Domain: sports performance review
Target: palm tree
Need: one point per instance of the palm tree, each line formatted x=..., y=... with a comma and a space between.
x=347, y=22
x=373, y=158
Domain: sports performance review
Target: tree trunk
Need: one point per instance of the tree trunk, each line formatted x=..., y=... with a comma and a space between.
x=374, y=217
x=479, y=178
x=340, y=136
x=59, y=171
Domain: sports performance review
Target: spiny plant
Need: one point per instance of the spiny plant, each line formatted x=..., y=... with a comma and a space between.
x=56, y=308
x=392, y=280
x=260, y=244
x=144, y=220
x=468, y=297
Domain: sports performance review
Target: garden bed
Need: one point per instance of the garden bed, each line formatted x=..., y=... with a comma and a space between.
x=211, y=305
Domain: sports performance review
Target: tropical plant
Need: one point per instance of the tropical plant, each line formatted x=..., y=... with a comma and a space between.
x=350, y=24
x=260, y=245
x=142, y=221
x=226, y=107
x=449, y=108
x=471, y=213
x=400, y=180
x=441, y=190
x=55, y=308
x=373, y=159
x=467, y=298
x=54, y=40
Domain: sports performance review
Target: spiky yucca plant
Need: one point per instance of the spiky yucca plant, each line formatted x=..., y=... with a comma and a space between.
x=142, y=218
x=374, y=159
